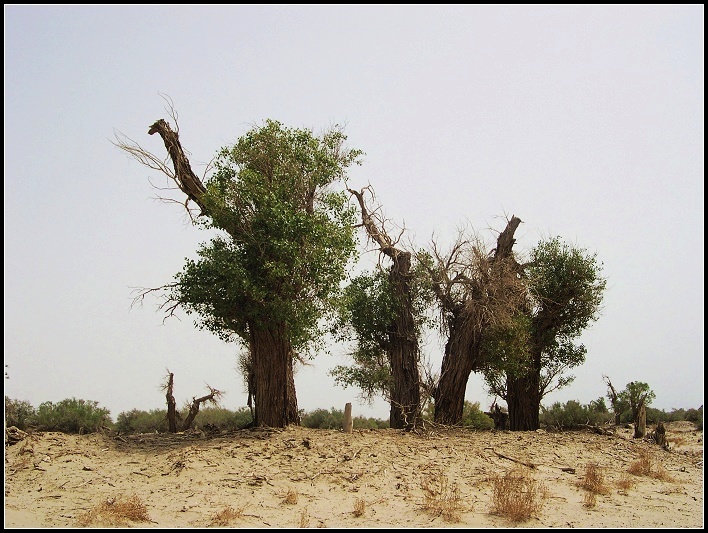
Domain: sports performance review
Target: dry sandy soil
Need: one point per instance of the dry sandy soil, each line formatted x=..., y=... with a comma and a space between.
x=298, y=477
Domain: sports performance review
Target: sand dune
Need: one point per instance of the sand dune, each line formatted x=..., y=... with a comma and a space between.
x=298, y=477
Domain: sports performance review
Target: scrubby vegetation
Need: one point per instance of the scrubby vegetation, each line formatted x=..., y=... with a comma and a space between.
x=472, y=416
x=573, y=414
x=86, y=416
x=516, y=495
x=333, y=419
x=67, y=416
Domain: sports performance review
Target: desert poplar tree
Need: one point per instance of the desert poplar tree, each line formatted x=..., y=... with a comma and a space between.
x=284, y=238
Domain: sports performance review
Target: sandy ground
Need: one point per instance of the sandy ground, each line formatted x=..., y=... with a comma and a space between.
x=300, y=477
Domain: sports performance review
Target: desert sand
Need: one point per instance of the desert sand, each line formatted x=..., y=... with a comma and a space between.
x=299, y=477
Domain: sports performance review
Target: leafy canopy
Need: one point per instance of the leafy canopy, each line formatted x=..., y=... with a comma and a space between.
x=566, y=290
x=285, y=236
x=367, y=310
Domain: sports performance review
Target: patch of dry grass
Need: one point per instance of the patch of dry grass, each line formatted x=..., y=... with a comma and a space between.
x=677, y=441
x=589, y=499
x=359, y=507
x=115, y=512
x=440, y=498
x=290, y=497
x=594, y=483
x=644, y=466
x=226, y=515
x=516, y=495
x=304, y=521
x=625, y=482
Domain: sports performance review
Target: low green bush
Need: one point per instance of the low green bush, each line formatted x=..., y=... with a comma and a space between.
x=71, y=416
x=334, y=419
x=571, y=415
x=223, y=419
x=19, y=413
x=473, y=417
x=137, y=421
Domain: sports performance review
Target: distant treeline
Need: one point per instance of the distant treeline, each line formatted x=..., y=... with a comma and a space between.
x=86, y=416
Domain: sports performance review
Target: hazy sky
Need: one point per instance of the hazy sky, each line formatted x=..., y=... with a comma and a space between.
x=584, y=121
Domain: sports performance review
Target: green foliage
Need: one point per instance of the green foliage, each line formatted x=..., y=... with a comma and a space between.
x=366, y=310
x=694, y=415
x=566, y=288
x=567, y=284
x=506, y=352
x=635, y=392
x=155, y=421
x=18, y=413
x=599, y=406
x=137, y=421
x=72, y=416
x=223, y=419
x=334, y=419
x=288, y=236
x=474, y=417
x=572, y=415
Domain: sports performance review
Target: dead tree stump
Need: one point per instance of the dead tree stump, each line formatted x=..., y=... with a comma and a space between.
x=348, y=423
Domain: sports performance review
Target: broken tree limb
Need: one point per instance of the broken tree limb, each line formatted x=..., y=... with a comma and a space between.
x=530, y=465
x=184, y=176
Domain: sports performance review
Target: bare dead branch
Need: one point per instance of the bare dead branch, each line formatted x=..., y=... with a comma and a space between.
x=212, y=397
x=375, y=224
x=168, y=304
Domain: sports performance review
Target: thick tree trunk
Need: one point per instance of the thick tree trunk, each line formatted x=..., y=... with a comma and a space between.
x=403, y=353
x=457, y=365
x=275, y=399
x=523, y=402
x=523, y=397
x=463, y=348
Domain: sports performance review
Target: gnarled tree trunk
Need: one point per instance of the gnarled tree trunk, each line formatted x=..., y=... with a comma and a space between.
x=403, y=350
x=171, y=404
x=457, y=365
x=640, y=420
x=523, y=402
x=273, y=380
x=463, y=348
x=271, y=351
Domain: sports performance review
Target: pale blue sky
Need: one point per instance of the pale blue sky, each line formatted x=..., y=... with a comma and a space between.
x=584, y=121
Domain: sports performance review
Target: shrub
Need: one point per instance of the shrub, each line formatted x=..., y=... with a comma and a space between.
x=334, y=419
x=474, y=417
x=223, y=419
x=571, y=415
x=440, y=498
x=72, y=416
x=224, y=517
x=695, y=416
x=137, y=421
x=516, y=495
x=323, y=419
x=18, y=413
x=645, y=466
x=115, y=512
x=594, y=483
